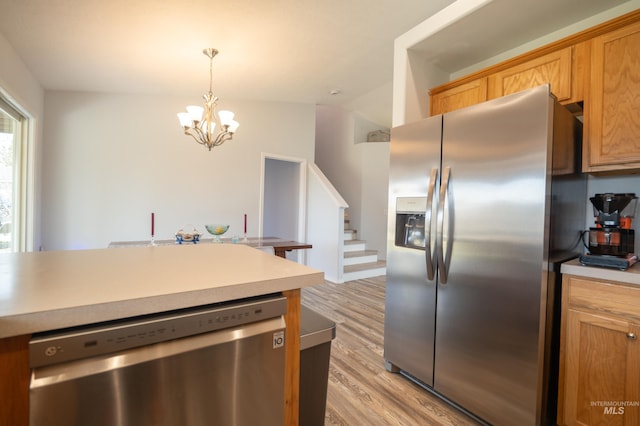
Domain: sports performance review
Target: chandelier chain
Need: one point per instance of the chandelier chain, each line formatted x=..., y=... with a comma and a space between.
x=211, y=74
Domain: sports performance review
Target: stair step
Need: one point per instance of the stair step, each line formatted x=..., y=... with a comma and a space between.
x=365, y=266
x=358, y=257
x=358, y=262
x=354, y=245
x=365, y=270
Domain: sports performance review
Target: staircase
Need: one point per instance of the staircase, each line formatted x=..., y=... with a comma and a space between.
x=359, y=262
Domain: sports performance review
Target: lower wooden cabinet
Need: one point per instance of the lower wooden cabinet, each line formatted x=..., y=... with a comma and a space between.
x=600, y=353
x=15, y=375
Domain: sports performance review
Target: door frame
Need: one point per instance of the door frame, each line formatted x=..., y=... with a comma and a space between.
x=301, y=232
x=24, y=203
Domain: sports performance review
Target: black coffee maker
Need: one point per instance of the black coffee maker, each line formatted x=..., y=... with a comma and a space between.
x=612, y=234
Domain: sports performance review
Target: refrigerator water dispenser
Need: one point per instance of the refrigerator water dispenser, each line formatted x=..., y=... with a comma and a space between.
x=410, y=219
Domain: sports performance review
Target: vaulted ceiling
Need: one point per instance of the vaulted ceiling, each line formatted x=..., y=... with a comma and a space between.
x=283, y=50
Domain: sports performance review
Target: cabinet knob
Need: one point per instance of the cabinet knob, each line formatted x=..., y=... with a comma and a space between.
x=631, y=336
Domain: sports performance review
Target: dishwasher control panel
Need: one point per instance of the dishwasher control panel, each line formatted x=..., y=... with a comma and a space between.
x=100, y=339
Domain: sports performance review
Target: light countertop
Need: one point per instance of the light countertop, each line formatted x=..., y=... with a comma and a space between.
x=50, y=290
x=630, y=276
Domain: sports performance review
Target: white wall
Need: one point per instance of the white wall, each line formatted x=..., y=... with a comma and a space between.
x=413, y=76
x=359, y=171
x=17, y=81
x=18, y=85
x=110, y=160
x=335, y=156
x=375, y=187
x=375, y=106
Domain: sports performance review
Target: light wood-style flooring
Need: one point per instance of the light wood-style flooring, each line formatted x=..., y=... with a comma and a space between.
x=361, y=391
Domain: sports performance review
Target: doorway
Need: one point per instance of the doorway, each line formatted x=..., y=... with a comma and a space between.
x=283, y=200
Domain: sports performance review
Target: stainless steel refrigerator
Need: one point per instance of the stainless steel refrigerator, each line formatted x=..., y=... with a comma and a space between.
x=484, y=204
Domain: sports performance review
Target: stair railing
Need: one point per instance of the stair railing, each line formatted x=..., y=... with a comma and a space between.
x=325, y=225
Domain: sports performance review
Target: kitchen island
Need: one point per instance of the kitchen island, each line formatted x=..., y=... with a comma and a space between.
x=52, y=290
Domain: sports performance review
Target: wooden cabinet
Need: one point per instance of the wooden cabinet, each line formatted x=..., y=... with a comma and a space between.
x=566, y=70
x=599, y=67
x=459, y=96
x=554, y=68
x=600, y=353
x=612, y=118
x=14, y=380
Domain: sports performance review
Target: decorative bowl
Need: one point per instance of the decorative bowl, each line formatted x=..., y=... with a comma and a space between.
x=216, y=231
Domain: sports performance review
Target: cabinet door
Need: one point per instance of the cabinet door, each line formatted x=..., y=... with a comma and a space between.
x=554, y=68
x=15, y=375
x=601, y=377
x=611, y=111
x=458, y=97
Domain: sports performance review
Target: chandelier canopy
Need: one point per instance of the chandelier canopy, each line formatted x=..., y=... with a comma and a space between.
x=207, y=126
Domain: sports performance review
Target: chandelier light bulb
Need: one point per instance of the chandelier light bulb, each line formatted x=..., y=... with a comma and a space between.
x=195, y=112
x=201, y=122
x=185, y=119
x=233, y=126
x=226, y=117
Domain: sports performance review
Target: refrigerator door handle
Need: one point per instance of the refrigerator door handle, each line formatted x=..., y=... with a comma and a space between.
x=442, y=263
x=430, y=255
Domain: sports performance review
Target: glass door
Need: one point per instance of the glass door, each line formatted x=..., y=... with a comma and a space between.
x=9, y=140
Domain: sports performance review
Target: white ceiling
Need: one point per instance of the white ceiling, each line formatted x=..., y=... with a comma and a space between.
x=284, y=50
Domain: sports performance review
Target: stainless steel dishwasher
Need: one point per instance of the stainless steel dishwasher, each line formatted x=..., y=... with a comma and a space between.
x=221, y=364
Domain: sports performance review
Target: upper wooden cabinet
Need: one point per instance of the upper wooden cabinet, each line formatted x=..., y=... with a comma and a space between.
x=460, y=96
x=565, y=69
x=598, y=68
x=553, y=68
x=612, y=106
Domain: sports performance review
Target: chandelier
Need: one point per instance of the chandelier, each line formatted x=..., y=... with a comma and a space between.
x=207, y=126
